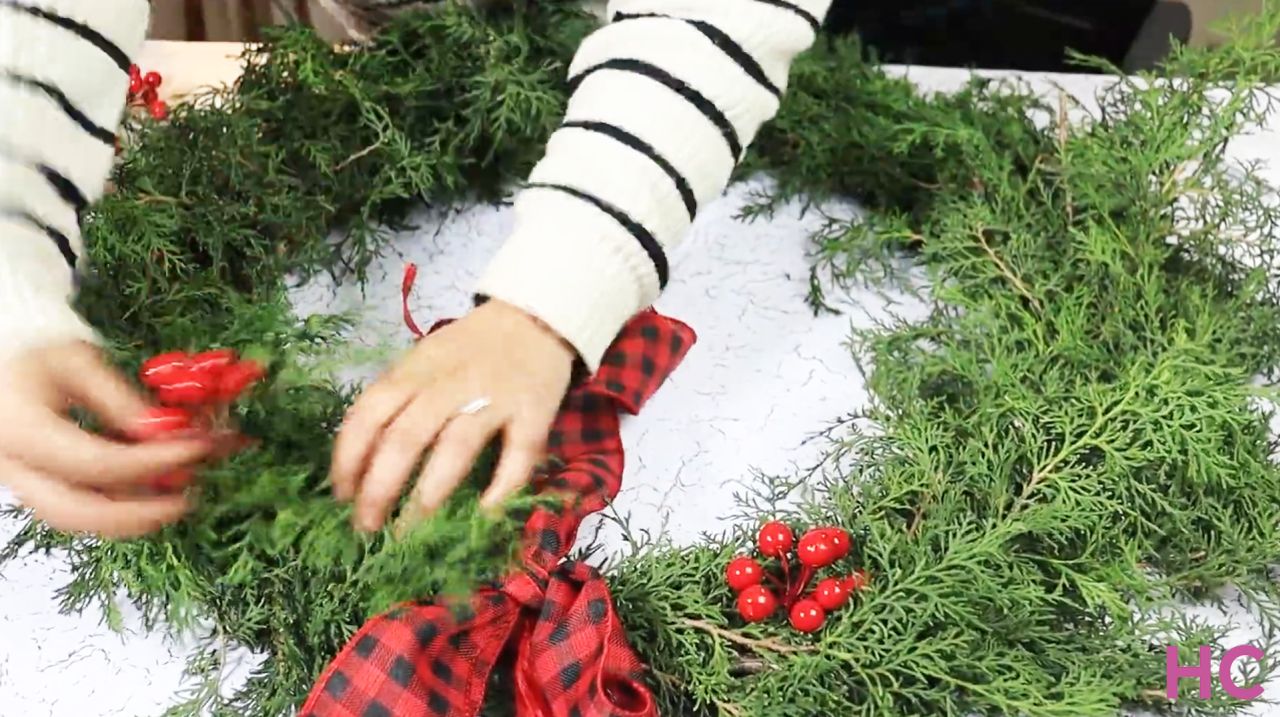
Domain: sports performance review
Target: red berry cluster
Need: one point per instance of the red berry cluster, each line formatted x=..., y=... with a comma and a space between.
x=195, y=392
x=818, y=548
x=143, y=91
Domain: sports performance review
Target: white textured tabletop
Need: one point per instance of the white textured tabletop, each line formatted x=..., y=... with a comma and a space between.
x=765, y=376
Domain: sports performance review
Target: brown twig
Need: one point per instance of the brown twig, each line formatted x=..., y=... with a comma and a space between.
x=756, y=644
x=157, y=198
x=728, y=709
x=358, y=155
x=917, y=516
x=749, y=666
x=1018, y=285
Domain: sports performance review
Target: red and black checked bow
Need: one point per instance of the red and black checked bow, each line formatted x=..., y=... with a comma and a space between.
x=571, y=658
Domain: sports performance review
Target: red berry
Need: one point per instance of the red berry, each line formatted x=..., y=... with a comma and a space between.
x=858, y=581
x=756, y=603
x=186, y=387
x=839, y=539
x=173, y=481
x=158, y=110
x=237, y=377
x=159, y=421
x=135, y=71
x=149, y=96
x=152, y=79
x=213, y=361
x=135, y=85
x=775, y=539
x=807, y=615
x=157, y=370
x=816, y=550
x=742, y=573
x=831, y=594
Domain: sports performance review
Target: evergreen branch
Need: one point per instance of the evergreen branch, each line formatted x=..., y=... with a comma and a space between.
x=1018, y=284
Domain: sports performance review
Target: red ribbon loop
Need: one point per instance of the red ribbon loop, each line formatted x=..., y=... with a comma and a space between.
x=571, y=656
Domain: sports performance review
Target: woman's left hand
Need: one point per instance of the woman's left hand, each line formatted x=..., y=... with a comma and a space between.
x=495, y=371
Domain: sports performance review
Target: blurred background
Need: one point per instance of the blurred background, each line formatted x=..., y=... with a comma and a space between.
x=1003, y=34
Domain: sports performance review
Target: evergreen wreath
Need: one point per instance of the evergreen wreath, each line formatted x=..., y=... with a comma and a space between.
x=1073, y=442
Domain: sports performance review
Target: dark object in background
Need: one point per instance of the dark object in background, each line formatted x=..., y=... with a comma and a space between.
x=1029, y=35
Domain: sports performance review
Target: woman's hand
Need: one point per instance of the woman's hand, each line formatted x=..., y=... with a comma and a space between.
x=497, y=358
x=72, y=479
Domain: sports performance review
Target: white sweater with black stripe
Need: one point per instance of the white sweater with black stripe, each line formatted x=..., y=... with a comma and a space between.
x=666, y=98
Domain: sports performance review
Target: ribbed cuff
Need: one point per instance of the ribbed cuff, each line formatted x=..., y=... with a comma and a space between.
x=576, y=273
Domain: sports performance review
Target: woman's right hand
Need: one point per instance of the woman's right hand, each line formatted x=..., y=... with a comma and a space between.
x=74, y=480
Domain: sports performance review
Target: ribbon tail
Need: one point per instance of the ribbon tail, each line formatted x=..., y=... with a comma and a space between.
x=579, y=655
x=417, y=661
x=530, y=699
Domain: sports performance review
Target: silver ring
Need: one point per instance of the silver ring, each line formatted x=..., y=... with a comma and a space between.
x=474, y=407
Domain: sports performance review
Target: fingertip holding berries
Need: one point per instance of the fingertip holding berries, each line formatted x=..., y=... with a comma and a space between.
x=807, y=615
x=775, y=539
x=195, y=391
x=742, y=573
x=756, y=603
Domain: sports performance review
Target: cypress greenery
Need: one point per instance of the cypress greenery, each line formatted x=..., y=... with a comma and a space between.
x=1071, y=442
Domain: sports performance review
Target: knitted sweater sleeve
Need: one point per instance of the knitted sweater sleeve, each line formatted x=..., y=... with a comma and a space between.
x=666, y=98
x=63, y=79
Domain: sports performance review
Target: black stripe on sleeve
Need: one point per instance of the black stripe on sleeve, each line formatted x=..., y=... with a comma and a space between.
x=680, y=87
x=98, y=132
x=61, y=184
x=804, y=14
x=59, y=239
x=624, y=137
x=65, y=188
x=721, y=40
x=642, y=235
x=90, y=35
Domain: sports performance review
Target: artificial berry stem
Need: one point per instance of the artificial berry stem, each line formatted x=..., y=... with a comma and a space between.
x=406, y=288
x=806, y=574
x=780, y=585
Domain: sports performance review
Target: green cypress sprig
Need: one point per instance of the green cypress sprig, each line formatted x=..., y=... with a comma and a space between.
x=1069, y=444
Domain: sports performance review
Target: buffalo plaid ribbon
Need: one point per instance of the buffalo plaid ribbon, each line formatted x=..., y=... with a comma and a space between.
x=554, y=617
